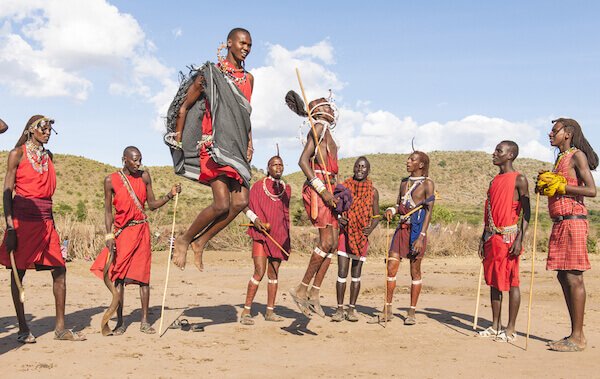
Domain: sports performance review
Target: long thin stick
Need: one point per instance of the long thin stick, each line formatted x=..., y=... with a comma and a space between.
x=387, y=258
x=171, y=243
x=314, y=130
x=476, y=317
x=272, y=240
x=16, y=276
x=535, y=224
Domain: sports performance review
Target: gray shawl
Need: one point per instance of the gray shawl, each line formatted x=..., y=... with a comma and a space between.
x=230, y=112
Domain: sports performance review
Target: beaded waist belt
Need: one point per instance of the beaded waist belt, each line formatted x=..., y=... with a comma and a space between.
x=130, y=223
x=205, y=140
x=511, y=229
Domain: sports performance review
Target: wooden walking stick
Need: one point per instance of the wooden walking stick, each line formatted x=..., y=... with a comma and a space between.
x=271, y=238
x=171, y=243
x=387, y=258
x=476, y=317
x=314, y=130
x=535, y=223
x=16, y=276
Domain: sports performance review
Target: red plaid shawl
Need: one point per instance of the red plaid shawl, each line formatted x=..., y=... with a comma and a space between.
x=359, y=214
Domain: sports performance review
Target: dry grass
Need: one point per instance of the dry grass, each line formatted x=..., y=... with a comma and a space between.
x=461, y=178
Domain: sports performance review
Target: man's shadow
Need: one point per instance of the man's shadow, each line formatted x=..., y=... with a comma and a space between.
x=41, y=326
x=463, y=323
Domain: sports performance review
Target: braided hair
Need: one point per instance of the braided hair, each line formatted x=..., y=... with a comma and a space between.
x=578, y=140
x=25, y=135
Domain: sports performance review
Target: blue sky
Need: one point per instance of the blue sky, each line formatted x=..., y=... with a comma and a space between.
x=458, y=75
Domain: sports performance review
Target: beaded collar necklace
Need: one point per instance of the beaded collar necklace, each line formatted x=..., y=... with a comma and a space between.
x=229, y=71
x=274, y=196
x=37, y=156
x=561, y=155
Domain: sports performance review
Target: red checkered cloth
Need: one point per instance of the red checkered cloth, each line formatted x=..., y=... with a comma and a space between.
x=359, y=214
x=567, y=249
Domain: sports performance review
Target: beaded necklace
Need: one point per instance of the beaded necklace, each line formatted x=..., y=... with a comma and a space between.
x=229, y=71
x=37, y=156
x=561, y=155
x=274, y=196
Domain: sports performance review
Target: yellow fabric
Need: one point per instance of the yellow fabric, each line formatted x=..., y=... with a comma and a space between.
x=550, y=184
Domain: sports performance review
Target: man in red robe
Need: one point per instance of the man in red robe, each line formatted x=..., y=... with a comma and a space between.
x=30, y=232
x=128, y=233
x=569, y=182
x=357, y=224
x=319, y=163
x=502, y=239
x=228, y=176
x=269, y=211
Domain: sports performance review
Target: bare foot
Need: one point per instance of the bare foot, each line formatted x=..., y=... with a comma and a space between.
x=180, y=253
x=198, y=249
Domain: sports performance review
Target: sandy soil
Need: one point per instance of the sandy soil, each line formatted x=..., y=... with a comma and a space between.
x=441, y=344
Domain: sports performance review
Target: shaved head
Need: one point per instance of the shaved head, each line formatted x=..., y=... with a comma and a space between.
x=235, y=31
x=512, y=147
x=131, y=149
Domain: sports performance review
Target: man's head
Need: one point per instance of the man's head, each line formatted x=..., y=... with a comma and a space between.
x=38, y=128
x=361, y=170
x=567, y=130
x=321, y=109
x=275, y=167
x=132, y=159
x=505, y=151
x=239, y=44
x=418, y=163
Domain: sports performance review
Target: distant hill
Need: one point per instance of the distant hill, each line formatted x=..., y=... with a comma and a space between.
x=461, y=178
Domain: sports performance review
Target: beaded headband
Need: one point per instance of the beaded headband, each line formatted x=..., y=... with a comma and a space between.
x=330, y=102
x=40, y=123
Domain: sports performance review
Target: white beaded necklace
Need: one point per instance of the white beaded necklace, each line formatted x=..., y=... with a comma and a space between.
x=272, y=196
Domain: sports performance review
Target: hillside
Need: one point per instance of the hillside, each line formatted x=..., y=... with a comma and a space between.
x=461, y=180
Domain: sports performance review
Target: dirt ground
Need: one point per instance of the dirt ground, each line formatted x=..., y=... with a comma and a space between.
x=441, y=344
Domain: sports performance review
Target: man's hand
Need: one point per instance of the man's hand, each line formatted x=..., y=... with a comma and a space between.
x=516, y=248
x=343, y=221
x=110, y=243
x=329, y=199
x=480, y=249
x=368, y=230
x=263, y=227
x=389, y=215
x=249, y=154
x=11, y=240
x=175, y=189
x=418, y=246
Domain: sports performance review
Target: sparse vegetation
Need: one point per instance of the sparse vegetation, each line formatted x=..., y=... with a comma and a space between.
x=461, y=179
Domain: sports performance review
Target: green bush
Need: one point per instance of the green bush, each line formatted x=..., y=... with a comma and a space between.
x=442, y=215
x=81, y=213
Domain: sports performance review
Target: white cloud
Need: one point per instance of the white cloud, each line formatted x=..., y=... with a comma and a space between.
x=177, y=32
x=362, y=130
x=48, y=47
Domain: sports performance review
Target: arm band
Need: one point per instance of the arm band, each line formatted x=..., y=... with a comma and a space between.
x=251, y=215
x=109, y=236
x=317, y=184
x=393, y=209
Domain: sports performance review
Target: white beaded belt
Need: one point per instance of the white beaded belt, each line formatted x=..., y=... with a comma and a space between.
x=206, y=139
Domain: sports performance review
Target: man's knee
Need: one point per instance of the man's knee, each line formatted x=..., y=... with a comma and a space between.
x=342, y=270
x=326, y=244
x=574, y=278
x=239, y=204
x=259, y=272
x=221, y=207
x=59, y=274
